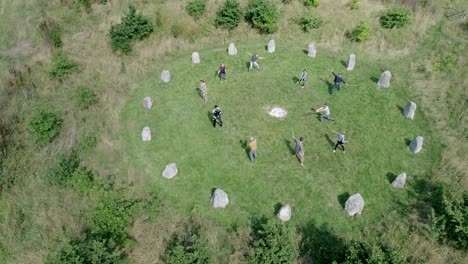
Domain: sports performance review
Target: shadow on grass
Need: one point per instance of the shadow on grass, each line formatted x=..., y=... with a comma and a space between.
x=295, y=79
x=243, y=144
x=407, y=141
x=290, y=147
x=305, y=51
x=391, y=177
x=320, y=245
x=342, y=198
x=277, y=208
x=343, y=62
x=374, y=79
x=329, y=140
x=329, y=85
x=401, y=108
x=210, y=116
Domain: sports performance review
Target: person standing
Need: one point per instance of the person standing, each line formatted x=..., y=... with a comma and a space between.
x=252, y=148
x=326, y=112
x=203, y=91
x=299, y=149
x=337, y=82
x=217, y=116
x=303, y=78
x=340, y=141
x=253, y=62
x=222, y=72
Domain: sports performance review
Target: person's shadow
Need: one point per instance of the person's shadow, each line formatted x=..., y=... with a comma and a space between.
x=295, y=79
x=244, y=145
x=329, y=85
x=290, y=147
x=247, y=65
x=330, y=141
x=210, y=116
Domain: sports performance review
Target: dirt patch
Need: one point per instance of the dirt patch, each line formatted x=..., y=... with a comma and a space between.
x=23, y=48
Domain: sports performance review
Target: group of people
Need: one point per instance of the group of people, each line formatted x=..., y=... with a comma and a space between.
x=299, y=148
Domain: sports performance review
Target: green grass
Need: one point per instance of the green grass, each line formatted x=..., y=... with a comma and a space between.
x=214, y=158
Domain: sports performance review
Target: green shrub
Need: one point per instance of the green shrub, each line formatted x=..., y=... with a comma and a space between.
x=85, y=3
x=287, y=1
x=82, y=180
x=87, y=143
x=308, y=22
x=395, y=18
x=134, y=26
x=188, y=248
x=263, y=15
x=196, y=8
x=272, y=242
x=354, y=5
x=85, y=97
x=314, y=3
x=64, y=170
x=45, y=126
x=229, y=14
x=50, y=32
x=61, y=66
x=360, y=33
x=363, y=252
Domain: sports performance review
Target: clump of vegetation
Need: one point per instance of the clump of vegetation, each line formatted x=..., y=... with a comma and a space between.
x=45, y=126
x=61, y=66
x=354, y=5
x=309, y=22
x=50, y=32
x=364, y=252
x=272, y=242
x=229, y=14
x=189, y=246
x=18, y=78
x=287, y=1
x=263, y=15
x=313, y=3
x=360, y=33
x=196, y=8
x=134, y=26
x=396, y=17
x=87, y=142
x=85, y=97
x=65, y=168
x=444, y=62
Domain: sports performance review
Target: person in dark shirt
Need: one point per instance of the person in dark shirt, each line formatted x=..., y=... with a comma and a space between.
x=303, y=78
x=337, y=82
x=222, y=72
x=299, y=149
x=217, y=116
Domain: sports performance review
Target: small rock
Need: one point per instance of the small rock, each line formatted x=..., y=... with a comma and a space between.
x=146, y=134
x=170, y=171
x=416, y=144
x=354, y=204
x=409, y=110
x=384, y=81
x=195, y=58
x=284, y=213
x=312, y=51
x=165, y=76
x=219, y=199
x=271, y=46
x=351, y=62
x=148, y=102
x=399, y=181
x=232, y=49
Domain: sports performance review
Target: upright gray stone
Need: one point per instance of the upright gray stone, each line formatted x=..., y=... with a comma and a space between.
x=399, y=181
x=409, y=110
x=148, y=102
x=384, y=81
x=284, y=213
x=219, y=199
x=312, y=51
x=232, y=49
x=354, y=204
x=170, y=171
x=195, y=58
x=146, y=134
x=271, y=46
x=416, y=144
x=351, y=62
x=165, y=76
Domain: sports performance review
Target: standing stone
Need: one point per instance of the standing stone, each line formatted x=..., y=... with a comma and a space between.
x=416, y=144
x=148, y=102
x=312, y=51
x=195, y=58
x=165, y=76
x=384, y=81
x=351, y=62
x=399, y=181
x=170, y=171
x=409, y=110
x=146, y=134
x=354, y=204
x=271, y=46
x=219, y=199
x=284, y=213
x=232, y=49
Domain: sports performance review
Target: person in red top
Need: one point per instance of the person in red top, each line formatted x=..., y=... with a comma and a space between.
x=222, y=72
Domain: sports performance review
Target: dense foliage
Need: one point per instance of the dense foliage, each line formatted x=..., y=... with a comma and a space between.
x=309, y=22
x=314, y=3
x=229, y=14
x=45, y=126
x=196, y=8
x=189, y=247
x=64, y=169
x=263, y=15
x=361, y=32
x=50, y=32
x=61, y=66
x=395, y=18
x=364, y=252
x=85, y=97
x=134, y=26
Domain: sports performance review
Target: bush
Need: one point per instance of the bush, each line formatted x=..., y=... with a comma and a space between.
x=189, y=247
x=395, y=18
x=61, y=66
x=196, y=8
x=314, y=3
x=45, y=126
x=360, y=33
x=354, y=5
x=229, y=14
x=272, y=242
x=134, y=26
x=19, y=79
x=85, y=97
x=65, y=168
x=87, y=142
x=308, y=22
x=50, y=32
x=263, y=15
x=363, y=252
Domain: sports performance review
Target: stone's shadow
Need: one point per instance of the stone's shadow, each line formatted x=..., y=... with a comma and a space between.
x=401, y=108
x=266, y=47
x=391, y=177
x=407, y=141
x=343, y=62
x=329, y=140
x=342, y=198
x=290, y=147
x=374, y=79
x=305, y=51
x=277, y=208
x=212, y=191
x=244, y=144
x=295, y=79
x=328, y=83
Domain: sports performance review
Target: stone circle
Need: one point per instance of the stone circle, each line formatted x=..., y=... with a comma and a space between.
x=354, y=204
x=278, y=112
x=146, y=134
x=384, y=81
x=165, y=76
x=271, y=47
x=416, y=144
x=409, y=110
x=195, y=58
x=170, y=171
x=284, y=213
x=351, y=62
x=232, y=49
x=148, y=102
x=312, y=51
x=399, y=181
x=219, y=199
